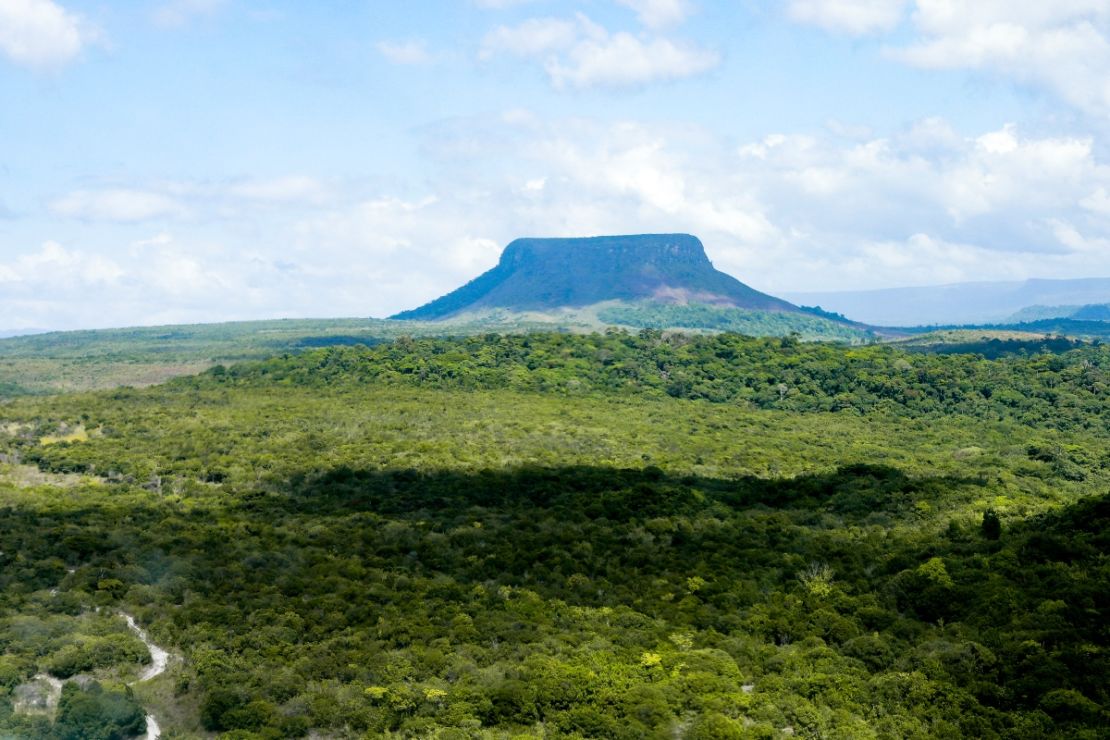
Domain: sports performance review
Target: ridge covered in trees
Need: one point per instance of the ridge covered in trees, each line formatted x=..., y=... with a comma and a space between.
x=1065, y=389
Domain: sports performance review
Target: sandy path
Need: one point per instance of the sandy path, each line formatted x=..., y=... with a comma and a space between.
x=159, y=658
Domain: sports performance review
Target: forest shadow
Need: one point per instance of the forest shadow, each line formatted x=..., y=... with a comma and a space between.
x=597, y=492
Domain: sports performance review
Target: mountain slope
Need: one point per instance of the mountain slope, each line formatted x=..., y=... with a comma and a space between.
x=536, y=274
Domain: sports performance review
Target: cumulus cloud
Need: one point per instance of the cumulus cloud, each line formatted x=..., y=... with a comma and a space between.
x=413, y=51
x=55, y=285
x=659, y=13
x=784, y=212
x=533, y=37
x=1062, y=47
x=583, y=54
x=855, y=17
x=948, y=207
x=792, y=212
x=1098, y=202
x=54, y=266
x=624, y=60
x=42, y=34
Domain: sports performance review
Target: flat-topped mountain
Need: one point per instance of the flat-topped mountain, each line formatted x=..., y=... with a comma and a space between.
x=539, y=274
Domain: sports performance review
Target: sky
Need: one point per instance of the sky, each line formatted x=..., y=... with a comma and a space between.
x=178, y=161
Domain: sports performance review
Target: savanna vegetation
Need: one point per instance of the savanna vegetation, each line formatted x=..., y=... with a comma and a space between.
x=552, y=535
x=58, y=362
x=812, y=324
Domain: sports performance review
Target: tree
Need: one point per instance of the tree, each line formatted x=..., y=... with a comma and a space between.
x=95, y=714
x=992, y=525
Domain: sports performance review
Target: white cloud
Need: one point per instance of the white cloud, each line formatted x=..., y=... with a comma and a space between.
x=659, y=13
x=117, y=204
x=182, y=199
x=413, y=51
x=783, y=212
x=1070, y=236
x=1003, y=170
x=41, y=34
x=1062, y=46
x=582, y=54
x=624, y=60
x=56, y=286
x=175, y=13
x=533, y=37
x=855, y=17
x=52, y=264
x=1098, y=202
x=988, y=205
x=921, y=257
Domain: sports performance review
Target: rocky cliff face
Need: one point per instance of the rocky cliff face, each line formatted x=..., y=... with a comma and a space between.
x=538, y=274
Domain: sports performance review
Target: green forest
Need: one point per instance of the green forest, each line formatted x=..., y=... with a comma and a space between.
x=58, y=362
x=810, y=324
x=547, y=535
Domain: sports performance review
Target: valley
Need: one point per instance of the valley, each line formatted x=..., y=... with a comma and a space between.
x=579, y=535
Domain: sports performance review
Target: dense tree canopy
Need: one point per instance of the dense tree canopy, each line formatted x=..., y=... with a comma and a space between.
x=1062, y=390
x=548, y=535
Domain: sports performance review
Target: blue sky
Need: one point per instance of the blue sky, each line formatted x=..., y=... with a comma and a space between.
x=198, y=160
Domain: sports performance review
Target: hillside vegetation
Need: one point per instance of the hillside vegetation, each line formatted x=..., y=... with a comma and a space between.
x=89, y=360
x=574, y=536
x=807, y=326
x=1055, y=390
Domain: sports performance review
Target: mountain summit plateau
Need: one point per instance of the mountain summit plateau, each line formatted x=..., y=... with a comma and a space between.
x=541, y=274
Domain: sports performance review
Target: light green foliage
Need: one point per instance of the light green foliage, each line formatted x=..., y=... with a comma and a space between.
x=817, y=579
x=934, y=572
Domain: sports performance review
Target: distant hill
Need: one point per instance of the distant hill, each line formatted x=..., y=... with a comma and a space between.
x=1092, y=312
x=1089, y=312
x=543, y=274
x=961, y=303
x=8, y=333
